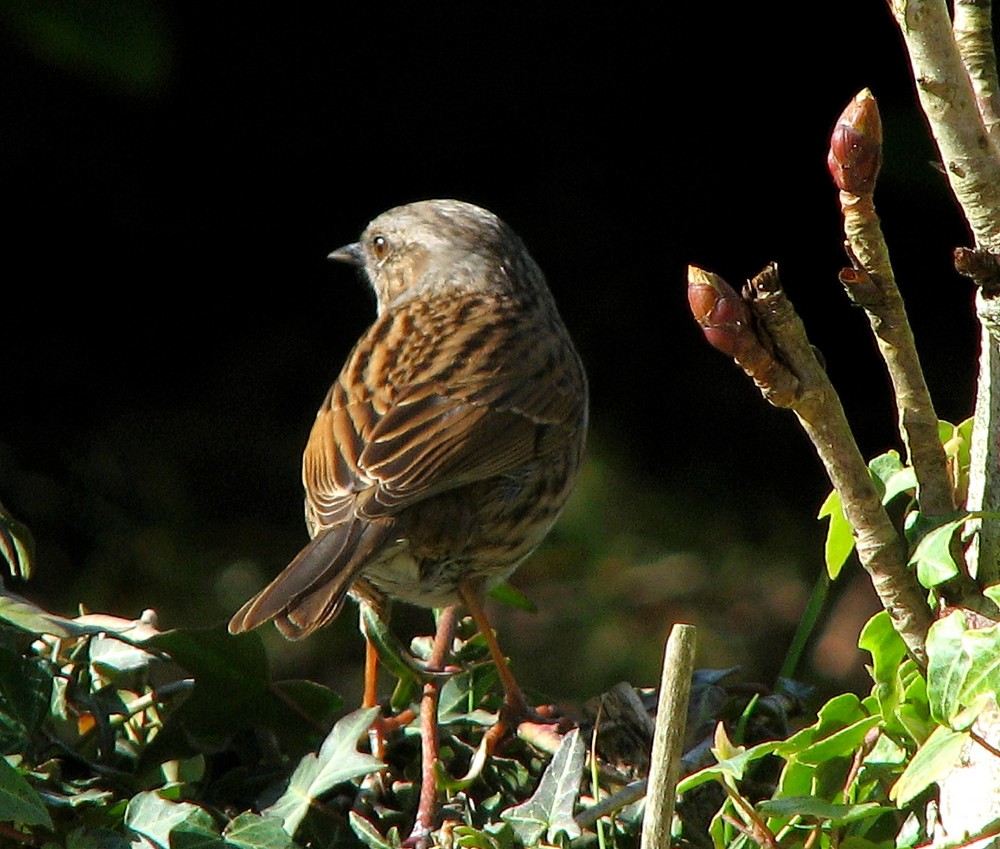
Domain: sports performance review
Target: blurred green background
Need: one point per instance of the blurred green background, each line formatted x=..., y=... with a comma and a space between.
x=174, y=175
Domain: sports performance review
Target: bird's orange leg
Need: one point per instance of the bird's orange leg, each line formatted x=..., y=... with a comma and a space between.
x=515, y=705
x=427, y=804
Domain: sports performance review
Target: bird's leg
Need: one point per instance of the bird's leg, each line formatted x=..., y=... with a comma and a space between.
x=515, y=706
x=383, y=725
x=427, y=804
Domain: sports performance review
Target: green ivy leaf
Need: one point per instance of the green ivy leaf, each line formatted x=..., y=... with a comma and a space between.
x=17, y=546
x=549, y=811
x=25, y=698
x=883, y=643
x=29, y=617
x=963, y=669
x=511, y=596
x=233, y=670
x=19, y=803
x=338, y=760
x=839, y=744
x=733, y=768
x=111, y=655
x=391, y=652
x=820, y=809
x=932, y=557
x=933, y=761
x=155, y=818
x=839, y=537
x=252, y=831
x=367, y=833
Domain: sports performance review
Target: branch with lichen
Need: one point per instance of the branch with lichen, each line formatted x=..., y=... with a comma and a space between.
x=973, y=29
x=948, y=100
x=854, y=161
x=949, y=66
x=765, y=336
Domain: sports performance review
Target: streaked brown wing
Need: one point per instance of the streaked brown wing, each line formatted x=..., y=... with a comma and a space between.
x=434, y=435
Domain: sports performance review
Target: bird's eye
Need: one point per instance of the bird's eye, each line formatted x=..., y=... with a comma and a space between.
x=380, y=246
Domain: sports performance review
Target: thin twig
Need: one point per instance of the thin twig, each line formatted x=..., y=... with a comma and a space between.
x=880, y=549
x=856, y=151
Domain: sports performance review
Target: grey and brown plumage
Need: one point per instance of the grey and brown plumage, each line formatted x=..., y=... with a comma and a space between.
x=451, y=440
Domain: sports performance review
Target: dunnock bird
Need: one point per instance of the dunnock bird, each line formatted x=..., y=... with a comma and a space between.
x=451, y=440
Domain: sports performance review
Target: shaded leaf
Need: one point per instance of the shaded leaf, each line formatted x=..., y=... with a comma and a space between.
x=19, y=803
x=25, y=698
x=232, y=670
x=509, y=595
x=338, y=760
x=820, y=809
x=367, y=833
x=101, y=838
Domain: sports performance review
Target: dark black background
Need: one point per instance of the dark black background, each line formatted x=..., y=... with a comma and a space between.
x=173, y=176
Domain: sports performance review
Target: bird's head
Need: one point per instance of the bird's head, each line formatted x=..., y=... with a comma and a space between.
x=436, y=248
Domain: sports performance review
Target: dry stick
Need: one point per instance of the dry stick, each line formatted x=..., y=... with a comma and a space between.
x=668, y=738
x=818, y=408
x=973, y=28
x=855, y=157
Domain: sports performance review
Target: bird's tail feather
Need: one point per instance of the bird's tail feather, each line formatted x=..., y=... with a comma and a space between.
x=310, y=590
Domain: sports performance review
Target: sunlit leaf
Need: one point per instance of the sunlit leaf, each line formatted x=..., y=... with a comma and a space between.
x=549, y=811
x=338, y=760
x=963, y=668
x=17, y=546
x=933, y=558
x=252, y=831
x=114, y=655
x=839, y=536
x=733, y=768
x=29, y=617
x=391, y=652
x=155, y=818
x=932, y=762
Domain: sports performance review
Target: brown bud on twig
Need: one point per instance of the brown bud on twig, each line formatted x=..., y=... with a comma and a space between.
x=723, y=315
x=981, y=267
x=856, y=146
x=729, y=326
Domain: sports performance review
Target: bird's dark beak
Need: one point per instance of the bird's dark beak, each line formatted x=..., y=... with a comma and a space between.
x=349, y=253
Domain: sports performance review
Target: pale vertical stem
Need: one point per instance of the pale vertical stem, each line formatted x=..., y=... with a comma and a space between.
x=949, y=102
x=668, y=738
x=984, y=488
x=973, y=27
